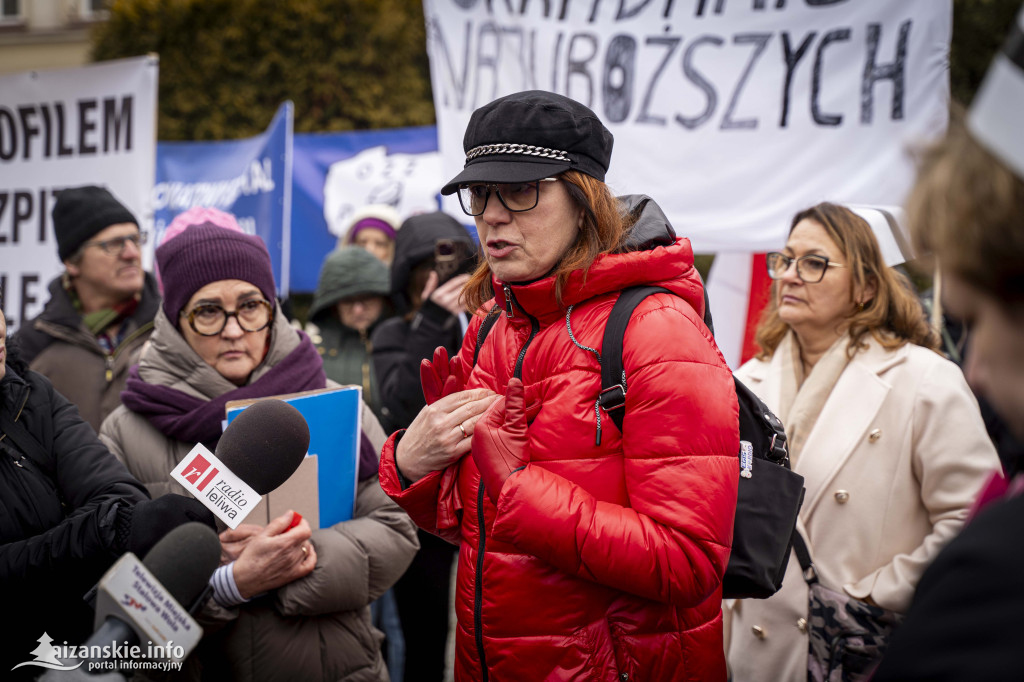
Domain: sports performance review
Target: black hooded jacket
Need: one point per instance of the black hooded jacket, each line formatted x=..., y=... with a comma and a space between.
x=400, y=343
x=60, y=490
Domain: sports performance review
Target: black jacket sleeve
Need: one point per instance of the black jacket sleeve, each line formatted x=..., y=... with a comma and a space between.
x=964, y=621
x=61, y=496
x=398, y=348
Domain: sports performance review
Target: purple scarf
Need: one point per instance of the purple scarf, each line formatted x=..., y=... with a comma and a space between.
x=186, y=418
x=368, y=462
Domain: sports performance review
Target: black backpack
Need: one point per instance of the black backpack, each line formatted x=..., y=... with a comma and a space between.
x=769, y=494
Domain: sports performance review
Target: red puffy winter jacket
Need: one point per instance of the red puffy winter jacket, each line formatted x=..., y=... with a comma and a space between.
x=599, y=562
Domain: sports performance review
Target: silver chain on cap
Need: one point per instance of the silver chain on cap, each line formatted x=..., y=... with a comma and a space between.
x=512, y=148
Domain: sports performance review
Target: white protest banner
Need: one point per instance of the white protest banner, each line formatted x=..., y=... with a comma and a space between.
x=733, y=115
x=94, y=125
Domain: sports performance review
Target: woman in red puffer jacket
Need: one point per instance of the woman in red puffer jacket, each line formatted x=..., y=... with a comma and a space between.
x=585, y=554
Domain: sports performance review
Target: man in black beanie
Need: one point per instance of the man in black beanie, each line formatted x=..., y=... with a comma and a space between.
x=101, y=308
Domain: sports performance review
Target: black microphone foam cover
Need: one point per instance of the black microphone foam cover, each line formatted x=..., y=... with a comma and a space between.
x=264, y=444
x=184, y=559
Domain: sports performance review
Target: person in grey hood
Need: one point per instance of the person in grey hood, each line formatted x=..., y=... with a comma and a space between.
x=433, y=253
x=352, y=298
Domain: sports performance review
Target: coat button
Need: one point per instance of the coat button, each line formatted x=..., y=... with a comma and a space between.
x=333, y=352
x=874, y=435
x=842, y=496
x=624, y=677
x=758, y=631
x=801, y=624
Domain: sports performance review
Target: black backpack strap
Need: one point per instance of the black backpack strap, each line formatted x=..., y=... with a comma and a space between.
x=804, y=557
x=485, y=329
x=756, y=419
x=613, y=376
x=707, y=308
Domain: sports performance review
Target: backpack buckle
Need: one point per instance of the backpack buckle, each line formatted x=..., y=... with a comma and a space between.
x=777, y=451
x=612, y=398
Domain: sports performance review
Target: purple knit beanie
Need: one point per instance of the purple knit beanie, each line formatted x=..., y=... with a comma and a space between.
x=207, y=253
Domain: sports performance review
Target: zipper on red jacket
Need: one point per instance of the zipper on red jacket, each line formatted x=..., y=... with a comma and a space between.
x=510, y=300
x=478, y=592
x=509, y=312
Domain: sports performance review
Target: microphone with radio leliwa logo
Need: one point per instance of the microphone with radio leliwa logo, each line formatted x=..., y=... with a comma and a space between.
x=259, y=450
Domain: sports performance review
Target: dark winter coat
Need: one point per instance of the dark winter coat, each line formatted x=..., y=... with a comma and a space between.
x=400, y=344
x=964, y=621
x=598, y=562
x=58, y=345
x=60, y=489
x=347, y=272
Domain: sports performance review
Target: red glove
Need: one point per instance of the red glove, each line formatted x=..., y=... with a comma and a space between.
x=441, y=377
x=500, y=442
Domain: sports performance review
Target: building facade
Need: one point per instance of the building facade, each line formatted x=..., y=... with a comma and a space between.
x=47, y=34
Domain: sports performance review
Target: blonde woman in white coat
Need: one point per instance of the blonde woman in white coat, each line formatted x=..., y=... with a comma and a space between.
x=884, y=430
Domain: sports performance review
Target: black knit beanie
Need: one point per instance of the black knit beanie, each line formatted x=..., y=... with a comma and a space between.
x=81, y=212
x=207, y=253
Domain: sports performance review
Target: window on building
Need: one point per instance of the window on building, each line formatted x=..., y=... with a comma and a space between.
x=94, y=9
x=10, y=10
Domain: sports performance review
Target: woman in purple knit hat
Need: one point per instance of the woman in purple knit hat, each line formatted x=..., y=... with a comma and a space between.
x=302, y=594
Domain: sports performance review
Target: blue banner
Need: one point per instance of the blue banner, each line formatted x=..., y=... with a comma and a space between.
x=250, y=178
x=336, y=173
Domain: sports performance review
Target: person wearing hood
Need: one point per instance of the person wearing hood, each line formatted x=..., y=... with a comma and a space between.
x=352, y=298
x=584, y=553
x=433, y=252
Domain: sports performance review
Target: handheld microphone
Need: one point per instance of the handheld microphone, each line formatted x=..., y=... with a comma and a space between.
x=259, y=450
x=264, y=444
x=181, y=565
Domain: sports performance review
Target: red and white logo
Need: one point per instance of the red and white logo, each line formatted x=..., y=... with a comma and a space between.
x=213, y=484
x=195, y=469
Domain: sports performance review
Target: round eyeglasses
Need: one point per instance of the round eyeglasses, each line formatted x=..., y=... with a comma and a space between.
x=210, y=319
x=810, y=268
x=115, y=246
x=515, y=196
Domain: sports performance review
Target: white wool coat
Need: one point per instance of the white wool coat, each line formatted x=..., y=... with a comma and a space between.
x=891, y=467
